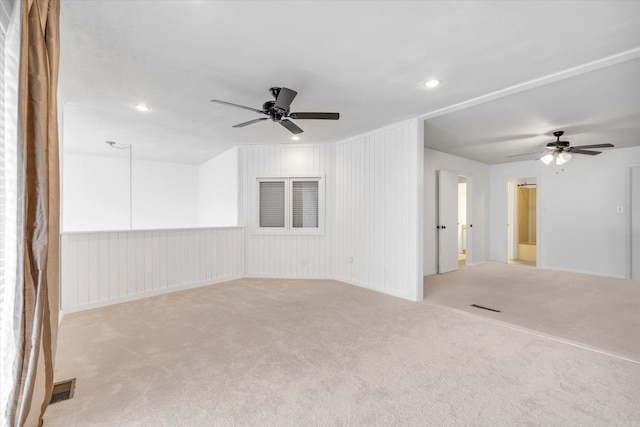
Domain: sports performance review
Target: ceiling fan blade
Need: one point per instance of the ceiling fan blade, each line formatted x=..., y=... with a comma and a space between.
x=285, y=97
x=292, y=127
x=524, y=154
x=250, y=122
x=238, y=106
x=317, y=116
x=594, y=146
x=592, y=153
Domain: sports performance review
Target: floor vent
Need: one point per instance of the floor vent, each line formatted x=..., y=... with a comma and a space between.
x=484, y=308
x=63, y=391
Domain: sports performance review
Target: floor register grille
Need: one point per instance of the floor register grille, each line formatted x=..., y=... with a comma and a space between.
x=63, y=391
x=485, y=308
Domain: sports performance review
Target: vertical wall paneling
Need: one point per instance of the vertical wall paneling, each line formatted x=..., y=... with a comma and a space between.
x=420, y=219
x=372, y=229
x=376, y=235
x=103, y=268
x=286, y=255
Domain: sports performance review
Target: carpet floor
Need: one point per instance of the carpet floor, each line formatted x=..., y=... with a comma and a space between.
x=602, y=313
x=311, y=352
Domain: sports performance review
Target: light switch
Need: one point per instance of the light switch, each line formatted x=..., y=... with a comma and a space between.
x=619, y=209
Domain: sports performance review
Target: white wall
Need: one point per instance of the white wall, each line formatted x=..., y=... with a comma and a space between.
x=95, y=194
x=578, y=227
x=290, y=255
x=477, y=213
x=377, y=228
x=165, y=195
x=218, y=190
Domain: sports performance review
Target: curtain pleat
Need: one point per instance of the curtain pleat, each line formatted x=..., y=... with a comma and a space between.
x=38, y=135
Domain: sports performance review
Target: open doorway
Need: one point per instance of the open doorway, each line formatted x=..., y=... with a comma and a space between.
x=522, y=219
x=462, y=221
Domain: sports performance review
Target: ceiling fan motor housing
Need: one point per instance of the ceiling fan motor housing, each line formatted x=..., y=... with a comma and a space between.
x=276, y=114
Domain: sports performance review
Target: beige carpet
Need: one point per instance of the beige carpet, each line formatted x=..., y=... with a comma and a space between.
x=293, y=353
x=599, y=312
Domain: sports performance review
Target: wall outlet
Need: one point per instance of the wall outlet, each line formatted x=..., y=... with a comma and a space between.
x=619, y=209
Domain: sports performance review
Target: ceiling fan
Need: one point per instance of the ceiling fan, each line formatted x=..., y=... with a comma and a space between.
x=278, y=110
x=562, y=152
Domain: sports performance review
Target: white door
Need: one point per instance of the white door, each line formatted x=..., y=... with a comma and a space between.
x=447, y=221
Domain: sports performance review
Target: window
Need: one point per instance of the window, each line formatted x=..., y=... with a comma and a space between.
x=290, y=205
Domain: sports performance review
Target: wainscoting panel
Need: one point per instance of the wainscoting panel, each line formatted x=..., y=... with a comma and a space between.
x=103, y=268
x=286, y=255
x=376, y=235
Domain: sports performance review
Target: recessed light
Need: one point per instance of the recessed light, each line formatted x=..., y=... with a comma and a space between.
x=295, y=137
x=431, y=83
x=141, y=107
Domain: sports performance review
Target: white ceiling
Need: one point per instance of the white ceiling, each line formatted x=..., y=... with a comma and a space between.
x=366, y=60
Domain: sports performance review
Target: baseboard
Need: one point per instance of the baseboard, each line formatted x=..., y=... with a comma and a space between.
x=60, y=316
x=391, y=292
x=259, y=276
x=152, y=293
x=591, y=273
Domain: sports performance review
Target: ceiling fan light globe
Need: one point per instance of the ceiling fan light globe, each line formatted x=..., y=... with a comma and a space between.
x=547, y=158
x=563, y=158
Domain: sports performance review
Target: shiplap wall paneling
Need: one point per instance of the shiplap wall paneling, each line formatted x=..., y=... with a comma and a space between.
x=290, y=255
x=108, y=267
x=376, y=210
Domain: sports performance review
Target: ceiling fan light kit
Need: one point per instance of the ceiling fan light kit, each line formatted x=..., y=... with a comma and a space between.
x=561, y=151
x=278, y=110
x=563, y=158
x=547, y=158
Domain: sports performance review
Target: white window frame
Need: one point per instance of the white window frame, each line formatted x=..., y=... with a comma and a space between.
x=288, y=228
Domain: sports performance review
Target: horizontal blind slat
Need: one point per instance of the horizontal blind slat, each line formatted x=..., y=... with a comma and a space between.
x=305, y=204
x=271, y=204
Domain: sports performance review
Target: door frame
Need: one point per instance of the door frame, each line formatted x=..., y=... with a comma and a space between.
x=469, y=234
x=629, y=219
x=505, y=186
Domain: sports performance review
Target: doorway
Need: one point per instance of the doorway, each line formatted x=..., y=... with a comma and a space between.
x=462, y=221
x=522, y=220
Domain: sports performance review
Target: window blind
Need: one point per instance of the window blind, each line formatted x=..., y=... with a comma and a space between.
x=4, y=21
x=272, y=204
x=304, y=204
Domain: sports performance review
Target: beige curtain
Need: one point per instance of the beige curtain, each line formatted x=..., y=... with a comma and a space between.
x=38, y=141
